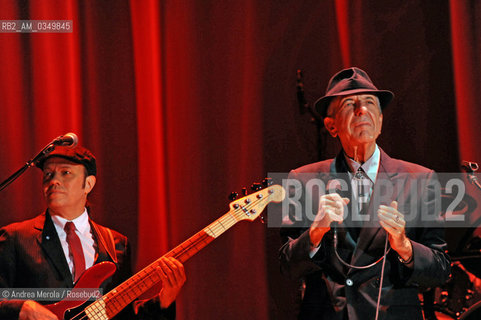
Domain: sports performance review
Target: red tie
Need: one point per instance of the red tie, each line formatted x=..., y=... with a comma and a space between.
x=75, y=248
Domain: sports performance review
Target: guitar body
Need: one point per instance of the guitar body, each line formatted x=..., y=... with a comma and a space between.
x=91, y=278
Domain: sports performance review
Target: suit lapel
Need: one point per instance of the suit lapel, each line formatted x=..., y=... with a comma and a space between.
x=105, y=251
x=49, y=241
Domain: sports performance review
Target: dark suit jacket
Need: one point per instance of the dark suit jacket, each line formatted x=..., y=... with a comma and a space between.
x=334, y=291
x=31, y=256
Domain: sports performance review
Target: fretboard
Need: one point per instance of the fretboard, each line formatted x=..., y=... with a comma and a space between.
x=246, y=208
x=117, y=299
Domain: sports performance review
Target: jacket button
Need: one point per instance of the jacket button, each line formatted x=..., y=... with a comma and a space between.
x=349, y=282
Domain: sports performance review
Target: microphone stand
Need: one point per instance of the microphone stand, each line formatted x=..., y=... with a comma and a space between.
x=306, y=106
x=30, y=163
x=470, y=168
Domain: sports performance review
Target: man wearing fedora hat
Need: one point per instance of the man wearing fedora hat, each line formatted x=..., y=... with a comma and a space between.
x=53, y=249
x=365, y=252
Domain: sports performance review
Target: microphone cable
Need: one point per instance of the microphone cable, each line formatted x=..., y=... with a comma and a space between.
x=383, y=258
x=382, y=277
x=386, y=250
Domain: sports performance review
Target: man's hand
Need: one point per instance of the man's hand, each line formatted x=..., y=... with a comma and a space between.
x=172, y=275
x=393, y=222
x=32, y=310
x=331, y=208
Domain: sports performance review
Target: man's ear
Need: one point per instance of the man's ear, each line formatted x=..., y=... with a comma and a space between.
x=89, y=183
x=330, y=125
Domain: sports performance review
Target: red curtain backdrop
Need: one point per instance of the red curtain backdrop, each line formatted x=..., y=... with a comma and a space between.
x=185, y=101
x=466, y=37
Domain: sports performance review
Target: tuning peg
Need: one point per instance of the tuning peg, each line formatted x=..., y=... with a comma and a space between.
x=267, y=182
x=256, y=186
x=233, y=195
x=244, y=191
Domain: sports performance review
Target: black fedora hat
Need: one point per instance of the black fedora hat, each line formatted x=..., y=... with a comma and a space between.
x=351, y=81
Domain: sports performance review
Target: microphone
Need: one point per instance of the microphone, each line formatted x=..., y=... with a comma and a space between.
x=67, y=140
x=469, y=166
x=334, y=186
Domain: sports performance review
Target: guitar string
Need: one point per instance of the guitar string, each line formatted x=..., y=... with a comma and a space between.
x=125, y=293
x=187, y=248
x=131, y=289
x=201, y=237
x=230, y=216
x=239, y=212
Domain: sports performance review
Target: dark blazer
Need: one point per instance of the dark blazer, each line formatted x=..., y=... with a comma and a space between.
x=334, y=291
x=31, y=256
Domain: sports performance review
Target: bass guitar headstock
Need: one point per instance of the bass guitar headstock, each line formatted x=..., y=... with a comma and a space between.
x=251, y=206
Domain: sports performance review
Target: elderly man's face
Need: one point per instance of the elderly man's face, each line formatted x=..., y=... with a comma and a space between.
x=356, y=119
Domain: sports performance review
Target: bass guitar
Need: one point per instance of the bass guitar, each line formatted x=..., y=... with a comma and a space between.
x=110, y=304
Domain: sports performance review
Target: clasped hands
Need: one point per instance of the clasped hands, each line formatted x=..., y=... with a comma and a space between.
x=331, y=209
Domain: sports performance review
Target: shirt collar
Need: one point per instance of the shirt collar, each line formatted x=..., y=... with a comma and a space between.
x=81, y=222
x=370, y=167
